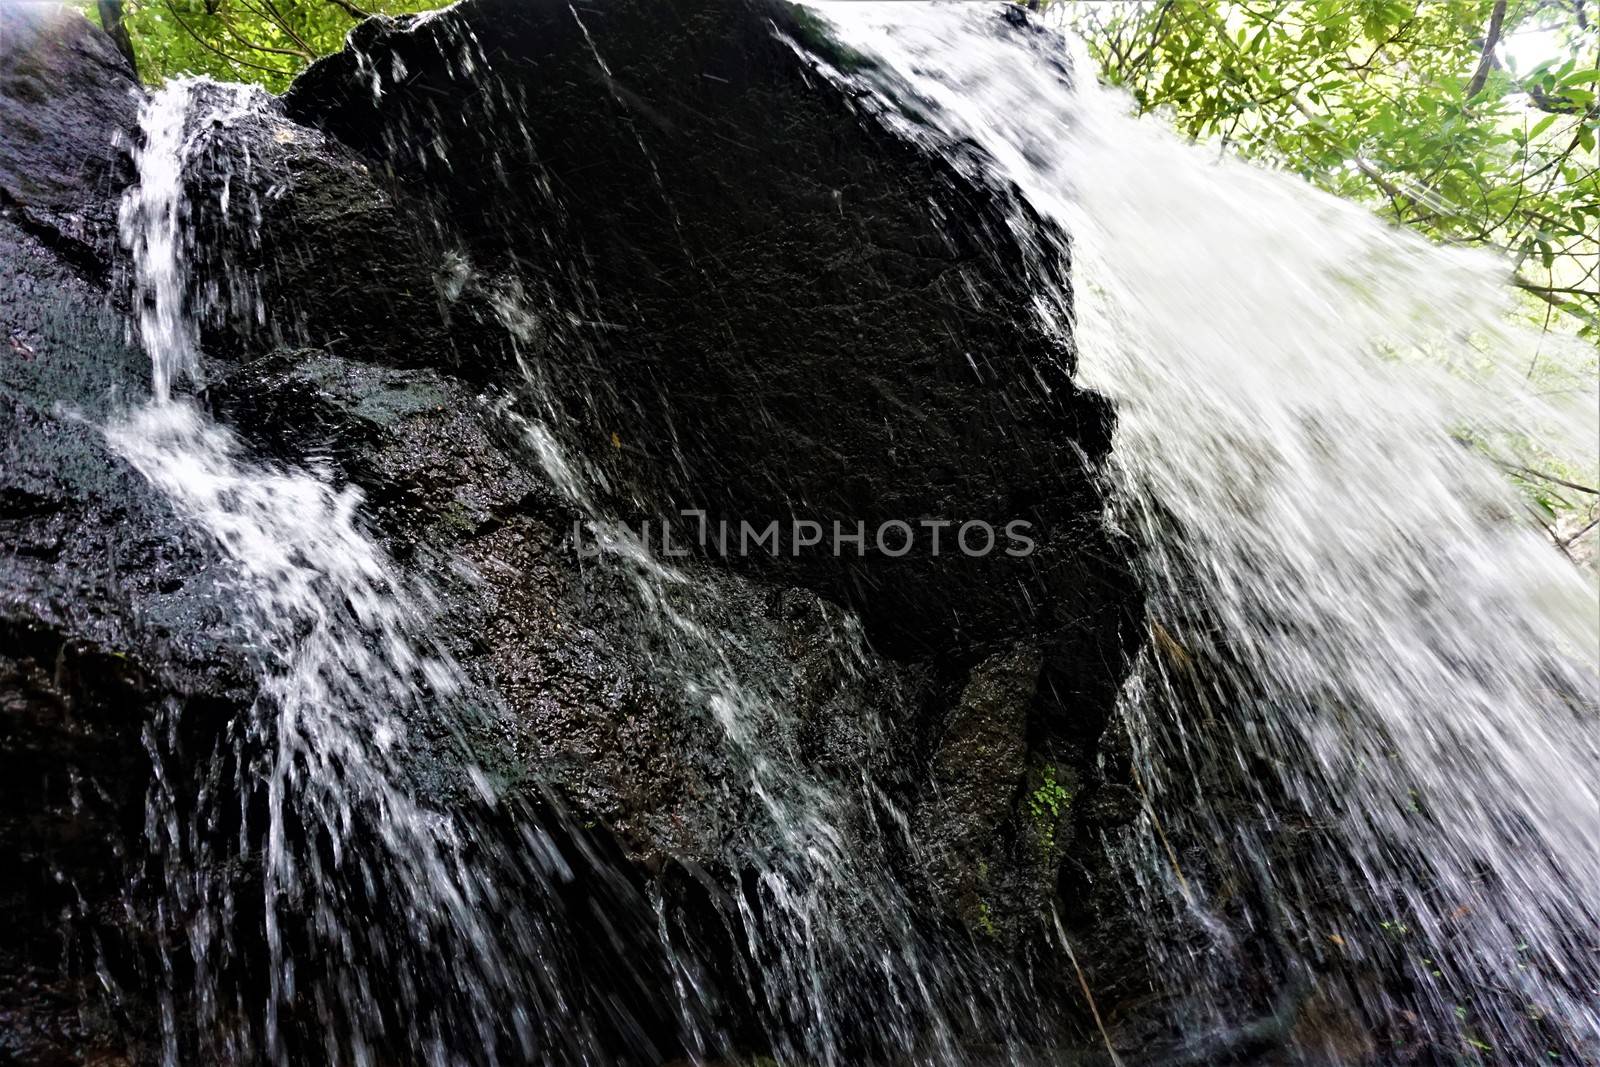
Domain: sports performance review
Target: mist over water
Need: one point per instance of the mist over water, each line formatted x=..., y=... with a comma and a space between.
x=1369, y=702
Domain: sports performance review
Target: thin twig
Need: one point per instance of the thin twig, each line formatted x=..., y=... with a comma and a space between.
x=1592, y=523
x=1542, y=476
x=208, y=46
x=277, y=16
x=257, y=47
x=1083, y=984
x=350, y=9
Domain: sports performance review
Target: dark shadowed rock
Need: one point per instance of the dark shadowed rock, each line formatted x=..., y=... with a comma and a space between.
x=68, y=100
x=312, y=244
x=727, y=287
x=111, y=609
x=747, y=295
x=629, y=225
x=596, y=716
x=974, y=780
x=739, y=291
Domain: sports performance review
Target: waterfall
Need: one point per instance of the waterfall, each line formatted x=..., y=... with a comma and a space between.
x=368, y=889
x=1365, y=724
x=1363, y=729
x=418, y=922
x=152, y=223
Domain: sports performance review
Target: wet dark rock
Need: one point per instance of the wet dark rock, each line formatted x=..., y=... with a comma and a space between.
x=737, y=290
x=67, y=99
x=271, y=199
x=731, y=288
x=751, y=298
x=557, y=641
x=974, y=782
x=741, y=293
x=111, y=607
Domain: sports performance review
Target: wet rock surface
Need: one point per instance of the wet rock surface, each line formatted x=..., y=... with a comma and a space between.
x=739, y=293
x=111, y=607
x=752, y=298
x=67, y=100
x=554, y=636
x=974, y=780
x=820, y=322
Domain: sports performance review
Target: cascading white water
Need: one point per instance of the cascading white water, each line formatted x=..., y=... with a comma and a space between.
x=370, y=892
x=1362, y=639
x=347, y=664
x=153, y=223
x=1383, y=653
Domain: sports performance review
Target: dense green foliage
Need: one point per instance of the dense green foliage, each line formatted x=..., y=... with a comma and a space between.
x=265, y=41
x=1418, y=105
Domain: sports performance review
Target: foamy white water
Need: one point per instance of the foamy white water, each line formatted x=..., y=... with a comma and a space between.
x=153, y=224
x=1369, y=713
x=1361, y=643
x=347, y=661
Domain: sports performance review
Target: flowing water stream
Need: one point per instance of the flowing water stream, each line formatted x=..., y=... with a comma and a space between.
x=386, y=906
x=1364, y=727
x=347, y=665
x=1370, y=700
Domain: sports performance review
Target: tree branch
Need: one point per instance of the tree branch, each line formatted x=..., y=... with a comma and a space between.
x=208, y=46
x=1543, y=477
x=1558, y=300
x=256, y=47
x=277, y=16
x=117, y=30
x=350, y=9
x=1497, y=19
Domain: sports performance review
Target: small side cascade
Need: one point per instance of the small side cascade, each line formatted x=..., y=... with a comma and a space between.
x=362, y=878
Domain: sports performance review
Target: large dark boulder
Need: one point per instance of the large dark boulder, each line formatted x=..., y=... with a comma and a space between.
x=747, y=296
x=726, y=286
x=740, y=290
x=68, y=99
x=723, y=285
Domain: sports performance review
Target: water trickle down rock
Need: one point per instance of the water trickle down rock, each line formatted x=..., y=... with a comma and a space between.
x=112, y=610
x=778, y=307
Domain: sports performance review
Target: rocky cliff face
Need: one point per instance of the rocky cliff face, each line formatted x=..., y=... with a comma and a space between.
x=659, y=229
x=109, y=606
